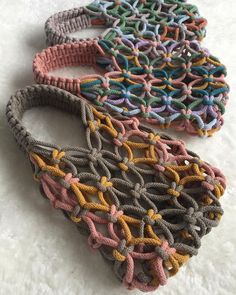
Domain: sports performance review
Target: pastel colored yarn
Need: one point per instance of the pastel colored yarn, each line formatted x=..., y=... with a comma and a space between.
x=171, y=84
x=147, y=19
x=145, y=201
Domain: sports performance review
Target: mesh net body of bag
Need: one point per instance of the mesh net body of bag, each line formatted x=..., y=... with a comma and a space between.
x=143, y=199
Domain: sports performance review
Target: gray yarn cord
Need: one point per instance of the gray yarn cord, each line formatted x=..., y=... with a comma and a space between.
x=59, y=25
x=133, y=191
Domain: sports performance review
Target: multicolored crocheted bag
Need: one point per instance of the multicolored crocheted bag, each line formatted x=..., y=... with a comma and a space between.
x=149, y=62
x=144, y=200
x=172, y=84
x=146, y=19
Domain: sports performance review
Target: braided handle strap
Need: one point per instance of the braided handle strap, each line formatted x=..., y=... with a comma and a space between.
x=34, y=96
x=142, y=198
x=58, y=26
x=176, y=84
x=159, y=20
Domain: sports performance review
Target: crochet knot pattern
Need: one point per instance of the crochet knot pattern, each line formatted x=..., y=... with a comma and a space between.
x=145, y=201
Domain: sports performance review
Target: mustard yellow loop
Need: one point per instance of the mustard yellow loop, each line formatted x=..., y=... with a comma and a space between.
x=118, y=256
x=173, y=173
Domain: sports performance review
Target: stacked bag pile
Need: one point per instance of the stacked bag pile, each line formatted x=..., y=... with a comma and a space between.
x=144, y=200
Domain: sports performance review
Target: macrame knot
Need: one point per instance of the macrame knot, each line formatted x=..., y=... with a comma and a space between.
x=94, y=156
x=57, y=156
x=167, y=81
x=166, y=100
x=126, y=94
x=148, y=69
x=114, y=214
x=68, y=180
x=135, y=52
x=186, y=90
x=119, y=140
x=167, y=59
x=125, y=160
x=153, y=215
x=126, y=74
x=135, y=122
x=160, y=166
x=154, y=43
x=79, y=212
x=147, y=86
x=148, y=220
x=138, y=191
x=124, y=165
x=164, y=251
x=175, y=189
x=209, y=183
x=122, y=251
x=145, y=111
x=94, y=239
x=106, y=83
x=191, y=216
x=104, y=184
x=93, y=125
x=111, y=218
x=186, y=113
x=209, y=79
x=208, y=100
x=153, y=138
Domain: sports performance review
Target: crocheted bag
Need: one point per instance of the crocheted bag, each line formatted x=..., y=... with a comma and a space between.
x=145, y=19
x=172, y=84
x=155, y=71
x=144, y=200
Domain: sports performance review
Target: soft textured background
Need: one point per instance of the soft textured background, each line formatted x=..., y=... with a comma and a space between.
x=41, y=252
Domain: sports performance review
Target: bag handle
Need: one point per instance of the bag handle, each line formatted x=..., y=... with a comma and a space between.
x=33, y=96
x=76, y=54
x=60, y=25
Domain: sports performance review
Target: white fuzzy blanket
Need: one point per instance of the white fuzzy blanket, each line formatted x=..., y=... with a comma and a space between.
x=41, y=252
